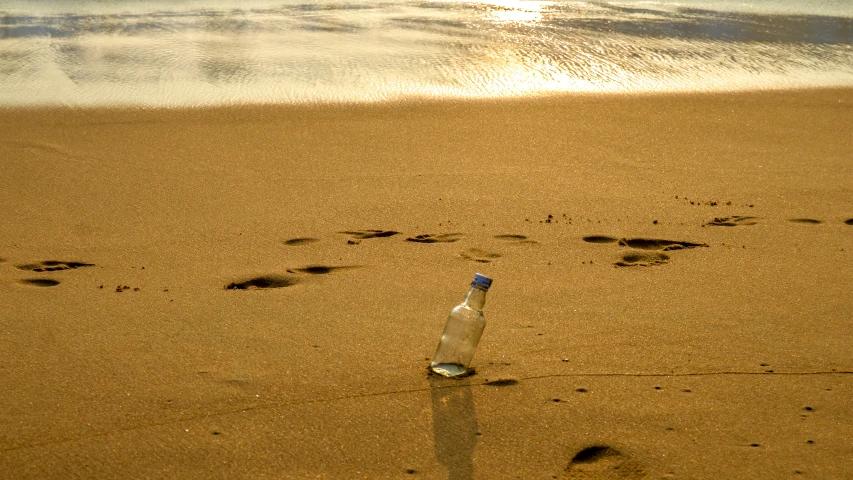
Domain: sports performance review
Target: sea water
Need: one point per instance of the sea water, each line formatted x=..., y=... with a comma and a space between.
x=214, y=52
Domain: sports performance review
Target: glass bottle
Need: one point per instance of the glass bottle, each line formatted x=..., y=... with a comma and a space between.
x=462, y=332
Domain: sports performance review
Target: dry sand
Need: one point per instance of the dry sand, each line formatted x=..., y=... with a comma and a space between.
x=731, y=359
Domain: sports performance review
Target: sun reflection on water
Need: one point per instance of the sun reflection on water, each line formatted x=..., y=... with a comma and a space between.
x=515, y=11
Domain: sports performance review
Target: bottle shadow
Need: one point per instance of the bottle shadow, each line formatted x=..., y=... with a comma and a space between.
x=454, y=425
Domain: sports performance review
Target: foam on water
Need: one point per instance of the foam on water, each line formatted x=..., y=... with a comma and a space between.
x=167, y=53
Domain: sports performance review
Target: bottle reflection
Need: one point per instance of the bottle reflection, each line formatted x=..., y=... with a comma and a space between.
x=454, y=424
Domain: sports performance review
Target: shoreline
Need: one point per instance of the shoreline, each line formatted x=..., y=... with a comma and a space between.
x=426, y=100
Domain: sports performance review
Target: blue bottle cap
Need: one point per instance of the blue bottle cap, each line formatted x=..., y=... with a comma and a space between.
x=482, y=282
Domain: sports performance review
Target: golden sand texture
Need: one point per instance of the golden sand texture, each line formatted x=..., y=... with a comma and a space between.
x=255, y=292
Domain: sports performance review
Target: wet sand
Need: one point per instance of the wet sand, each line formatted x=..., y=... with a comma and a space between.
x=671, y=292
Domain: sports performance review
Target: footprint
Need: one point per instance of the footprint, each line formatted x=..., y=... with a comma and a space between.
x=510, y=236
x=263, y=282
x=477, y=255
x=39, y=282
x=436, y=238
x=603, y=462
x=53, y=266
x=600, y=239
x=365, y=234
x=644, y=243
x=808, y=221
x=319, y=269
x=655, y=244
x=503, y=382
x=294, y=242
x=515, y=239
x=642, y=259
x=732, y=221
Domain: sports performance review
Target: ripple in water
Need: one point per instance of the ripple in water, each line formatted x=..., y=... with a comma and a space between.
x=224, y=52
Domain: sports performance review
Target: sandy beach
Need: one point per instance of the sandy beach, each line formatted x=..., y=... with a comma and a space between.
x=671, y=292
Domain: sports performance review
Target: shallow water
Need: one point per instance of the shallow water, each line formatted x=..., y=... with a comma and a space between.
x=168, y=53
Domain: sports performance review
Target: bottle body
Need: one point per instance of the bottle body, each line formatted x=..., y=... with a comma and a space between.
x=461, y=334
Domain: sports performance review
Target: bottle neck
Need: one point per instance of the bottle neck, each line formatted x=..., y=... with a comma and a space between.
x=476, y=299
